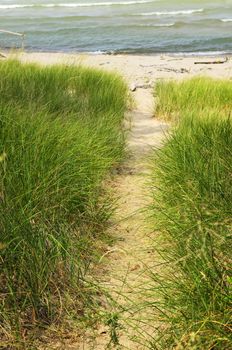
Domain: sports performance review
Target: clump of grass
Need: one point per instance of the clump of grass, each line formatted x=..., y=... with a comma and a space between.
x=192, y=211
x=198, y=94
x=61, y=134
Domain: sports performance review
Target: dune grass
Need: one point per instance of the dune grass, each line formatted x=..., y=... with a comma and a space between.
x=61, y=134
x=196, y=94
x=192, y=214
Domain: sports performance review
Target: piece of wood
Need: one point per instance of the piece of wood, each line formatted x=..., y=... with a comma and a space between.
x=12, y=33
x=212, y=62
x=22, y=35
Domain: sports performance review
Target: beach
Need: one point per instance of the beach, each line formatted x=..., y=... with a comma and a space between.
x=116, y=170
x=142, y=70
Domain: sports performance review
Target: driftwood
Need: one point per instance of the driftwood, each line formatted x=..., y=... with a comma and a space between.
x=1, y=55
x=135, y=86
x=212, y=62
x=22, y=35
x=181, y=70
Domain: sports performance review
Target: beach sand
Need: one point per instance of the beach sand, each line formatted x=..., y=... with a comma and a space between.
x=141, y=69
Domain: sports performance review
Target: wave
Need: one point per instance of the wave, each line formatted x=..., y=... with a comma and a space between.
x=201, y=53
x=170, y=13
x=132, y=2
x=182, y=52
x=120, y=26
x=226, y=20
x=106, y=27
x=179, y=24
x=158, y=25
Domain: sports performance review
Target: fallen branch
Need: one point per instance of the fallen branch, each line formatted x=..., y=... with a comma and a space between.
x=12, y=33
x=212, y=62
x=22, y=35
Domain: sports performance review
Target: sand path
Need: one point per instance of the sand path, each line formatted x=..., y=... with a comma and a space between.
x=128, y=262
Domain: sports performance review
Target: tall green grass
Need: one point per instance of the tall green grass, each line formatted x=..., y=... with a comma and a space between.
x=196, y=94
x=192, y=214
x=61, y=133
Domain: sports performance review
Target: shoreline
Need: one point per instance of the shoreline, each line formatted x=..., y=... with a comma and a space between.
x=124, y=52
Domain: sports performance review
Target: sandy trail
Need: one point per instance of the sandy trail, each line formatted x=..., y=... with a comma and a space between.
x=130, y=259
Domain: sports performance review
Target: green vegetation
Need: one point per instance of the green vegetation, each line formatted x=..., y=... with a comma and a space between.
x=194, y=95
x=61, y=134
x=192, y=213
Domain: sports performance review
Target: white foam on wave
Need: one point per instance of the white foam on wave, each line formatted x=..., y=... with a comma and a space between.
x=158, y=25
x=5, y=7
x=132, y=2
x=171, y=13
x=226, y=20
x=200, y=53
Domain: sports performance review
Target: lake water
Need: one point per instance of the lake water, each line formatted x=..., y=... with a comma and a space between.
x=133, y=26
